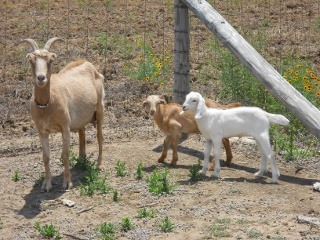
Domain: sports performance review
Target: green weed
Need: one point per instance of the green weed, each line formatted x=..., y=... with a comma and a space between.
x=16, y=176
x=121, y=169
x=115, y=197
x=94, y=183
x=254, y=234
x=126, y=224
x=159, y=183
x=218, y=229
x=195, y=175
x=144, y=213
x=107, y=231
x=166, y=225
x=47, y=231
x=139, y=172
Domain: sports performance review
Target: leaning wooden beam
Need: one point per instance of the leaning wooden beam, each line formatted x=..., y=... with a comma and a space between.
x=308, y=114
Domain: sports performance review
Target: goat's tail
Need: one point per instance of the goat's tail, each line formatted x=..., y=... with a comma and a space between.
x=277, y=119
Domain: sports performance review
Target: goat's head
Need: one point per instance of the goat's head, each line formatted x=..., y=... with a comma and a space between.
x=153, y=102
x=41, y=60
x=195, y=103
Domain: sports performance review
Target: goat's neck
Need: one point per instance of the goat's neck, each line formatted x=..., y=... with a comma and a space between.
x=42, y=95
x=158, y=115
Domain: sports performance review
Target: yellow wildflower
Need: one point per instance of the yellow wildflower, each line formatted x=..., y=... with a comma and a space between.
x=161, y=84
x=167, y=58
x=305, y=78
x=165, y=51
x=156, y=74
x=297, y=72
x=139, y=43
x=318, y=94
x=147, y=78
x=299, y=66
x=308, y=70
x=152, y=55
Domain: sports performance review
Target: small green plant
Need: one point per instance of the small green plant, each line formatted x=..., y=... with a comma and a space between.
x=47, y=231
x=115, y=197
x=243, y=221
x=254, y=234
x=166, y=225
x=107, y=231
x=195, y=175
x=139, y=172
x=126, y=224
x=218, y=229
x=94, y=183
x=121, y=169
x=159, y=183
x=144, y=213
x=16, y=176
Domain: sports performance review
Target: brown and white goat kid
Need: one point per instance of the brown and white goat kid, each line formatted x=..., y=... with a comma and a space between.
x=172, y=124
x=64, y=102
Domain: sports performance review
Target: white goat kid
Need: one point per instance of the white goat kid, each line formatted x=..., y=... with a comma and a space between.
x=215, y=124
x=64, y=102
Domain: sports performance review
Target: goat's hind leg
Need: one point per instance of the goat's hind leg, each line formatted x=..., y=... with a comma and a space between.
x=99, y=118
x=82, y=143
x=267, y=155
x=46, y=184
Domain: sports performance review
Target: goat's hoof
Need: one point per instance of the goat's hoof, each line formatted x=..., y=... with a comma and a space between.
x=67, y=185
x=161, y=160
x=259, y=174
x=215, y=174
x=203, y=172
x=274, y=181
x=46, y=185
x=174, y=163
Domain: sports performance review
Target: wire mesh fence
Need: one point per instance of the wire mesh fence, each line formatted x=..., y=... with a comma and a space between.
x=131, y=43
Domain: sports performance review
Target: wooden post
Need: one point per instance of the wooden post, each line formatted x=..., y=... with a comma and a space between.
x=181, y=52
x=308, y=114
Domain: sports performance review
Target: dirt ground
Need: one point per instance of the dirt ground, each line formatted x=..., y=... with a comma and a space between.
x=249, y=204
x=247, y=207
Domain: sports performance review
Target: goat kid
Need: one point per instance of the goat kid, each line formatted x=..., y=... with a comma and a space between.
x=64, y=102
x=216, y=124
x=172, y=124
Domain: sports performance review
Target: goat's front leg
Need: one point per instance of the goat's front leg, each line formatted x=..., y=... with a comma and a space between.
x=206, y=154
x=216, y=155
x=67, y=184
x=82, y=143
x=46, y=184
x=166, y=144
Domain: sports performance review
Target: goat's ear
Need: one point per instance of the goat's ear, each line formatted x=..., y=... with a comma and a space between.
x=165, y=98
x=145, y=104
x=201, y=108
x=30, y=57
x=52, y=57
x=161, y=101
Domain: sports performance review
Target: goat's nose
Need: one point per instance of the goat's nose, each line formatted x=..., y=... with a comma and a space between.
x=183, y=108
x=152, y=112
x=41, y=78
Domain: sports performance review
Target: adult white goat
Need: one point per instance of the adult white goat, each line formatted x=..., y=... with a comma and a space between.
x=215, y=124
x=64, y=102
x=172, y=124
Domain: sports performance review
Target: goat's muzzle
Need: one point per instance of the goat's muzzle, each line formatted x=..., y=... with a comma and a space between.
x=152, y=112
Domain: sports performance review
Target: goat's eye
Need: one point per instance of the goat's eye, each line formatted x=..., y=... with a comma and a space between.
x=194, y=100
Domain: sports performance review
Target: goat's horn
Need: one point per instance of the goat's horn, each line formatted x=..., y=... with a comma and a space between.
x=32, y=43
x=50, y=41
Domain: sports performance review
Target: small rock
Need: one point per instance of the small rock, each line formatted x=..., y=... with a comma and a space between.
x=308, y=220
x=316, y=186
x=67, y=202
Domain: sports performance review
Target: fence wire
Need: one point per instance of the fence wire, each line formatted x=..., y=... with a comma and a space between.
x=114, y=35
